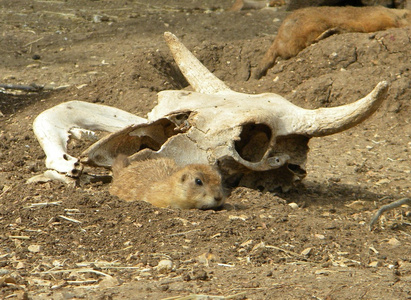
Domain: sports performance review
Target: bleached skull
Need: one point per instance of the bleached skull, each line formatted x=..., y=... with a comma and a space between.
x=260, y=141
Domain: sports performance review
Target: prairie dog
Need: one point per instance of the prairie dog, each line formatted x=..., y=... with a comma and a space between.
x=162, y=183
x=308, y=25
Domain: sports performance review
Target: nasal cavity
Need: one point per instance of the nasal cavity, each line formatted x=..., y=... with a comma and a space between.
x=254, y=141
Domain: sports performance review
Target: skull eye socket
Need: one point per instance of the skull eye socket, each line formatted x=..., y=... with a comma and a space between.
x=254, y=141
x=198, y=181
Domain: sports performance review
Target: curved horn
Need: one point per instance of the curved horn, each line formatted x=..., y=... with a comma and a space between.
x=326, y=121
x=199, y=77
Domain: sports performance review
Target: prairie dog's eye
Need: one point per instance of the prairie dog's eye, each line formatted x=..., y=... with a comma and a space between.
x=198, y=181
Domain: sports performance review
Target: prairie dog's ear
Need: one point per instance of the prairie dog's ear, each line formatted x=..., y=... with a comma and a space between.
x=184, y=177
x=120, y=163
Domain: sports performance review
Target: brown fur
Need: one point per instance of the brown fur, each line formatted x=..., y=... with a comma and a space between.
x=162, y=183
x=308, y=25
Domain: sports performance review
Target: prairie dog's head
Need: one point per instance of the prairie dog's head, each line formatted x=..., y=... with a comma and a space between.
x=199, y=186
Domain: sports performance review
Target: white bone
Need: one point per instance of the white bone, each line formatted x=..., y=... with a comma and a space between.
x=52, y=129
x=52, y=175
x=83, y=134
x=254, y=139
x=319, y=122
x=199, y=77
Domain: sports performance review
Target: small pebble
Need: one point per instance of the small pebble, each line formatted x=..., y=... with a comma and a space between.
x=4, y=272
x=293, y=205
x=394, y=242
x=165, y=266
x=319, y=236
x=108, y=282
x=322, y=272
x=34, y=248
x=306, y=251
x=374, y=264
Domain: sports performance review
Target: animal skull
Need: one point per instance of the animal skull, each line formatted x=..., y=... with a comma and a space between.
x=255, y=140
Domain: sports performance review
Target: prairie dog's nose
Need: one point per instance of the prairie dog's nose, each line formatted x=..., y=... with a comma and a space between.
x=219, y=197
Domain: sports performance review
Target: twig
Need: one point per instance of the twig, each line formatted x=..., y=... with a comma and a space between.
x=6, y=188
x=82, y=282
x=72, y=210
x=66, y=15
x=283, y=250
x=48, y=1
x=111, y=9
x=226, y=265
x=114, y=251
x=30, y=88
x=70, y=219
x=122, y=268
x=28, y=44
x=33, y=205
x=98, y=264
x=388, y=207
x=383, y=198
x=184, y=233
x=22, y=87
x=161, y=255
x=75, y=270
x=4, y=255
x=107, y=265
x=19, y=237
x=160, y=8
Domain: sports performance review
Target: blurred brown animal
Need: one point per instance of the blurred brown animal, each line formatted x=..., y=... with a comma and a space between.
x=162, y=183
x=309, y=25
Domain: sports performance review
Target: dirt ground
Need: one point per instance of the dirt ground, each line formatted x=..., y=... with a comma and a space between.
x=86, y=244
